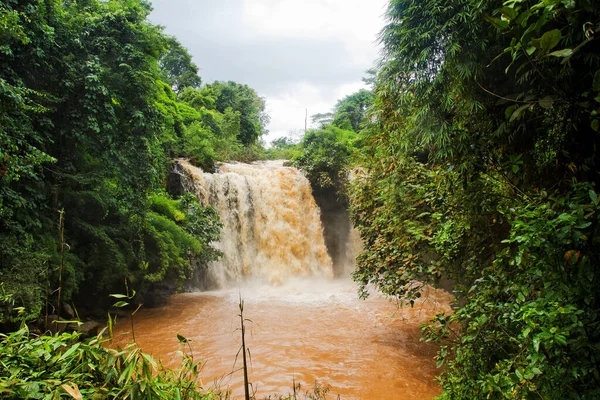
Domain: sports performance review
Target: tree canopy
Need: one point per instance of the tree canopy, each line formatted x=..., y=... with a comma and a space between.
x=480, y=166
x=242, y=99
x=95, y=101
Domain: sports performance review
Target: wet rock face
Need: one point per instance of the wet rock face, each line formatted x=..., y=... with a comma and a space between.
x=89, y=329
x=175, y=186
x=336, y=227
x=158, y=294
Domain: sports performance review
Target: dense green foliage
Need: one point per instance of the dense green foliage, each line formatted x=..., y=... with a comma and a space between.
x=478, y=164
x=325, y=155
x=481, y=166
x=349, y=113
x=95, y=101
x=177, y=67
x=55, y=367
x=243, y=100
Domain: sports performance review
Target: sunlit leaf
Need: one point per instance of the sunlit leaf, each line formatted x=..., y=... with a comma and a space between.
x=73, y=391
x=561, y=53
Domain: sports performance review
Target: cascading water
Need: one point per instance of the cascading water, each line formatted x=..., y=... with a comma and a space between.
x=271, y=227
x=307, y=327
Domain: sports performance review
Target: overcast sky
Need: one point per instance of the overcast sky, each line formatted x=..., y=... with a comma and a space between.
x=295, y=53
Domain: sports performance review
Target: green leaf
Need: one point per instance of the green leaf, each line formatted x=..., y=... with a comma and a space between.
x=498, y=23
x=149, y=359
x=529, y=376
x=560, y=339
x=550, y=40
x=518, y=112
x=519, y=374
x=181, y=338
x=118, y=296
x=67, y=353
x=596, y=82
x=593, y=197
x=547, y=102
x=562, y=53
x=509, y=13
x=596, y=125
x=137, y=309
x=120, y=304
x=509, y=111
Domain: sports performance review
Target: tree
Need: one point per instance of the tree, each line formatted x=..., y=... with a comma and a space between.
x=87, y=129
x=480, y=166
x=325, y=156
x=177, y=67
x=322, y=119
x=243, y=99
x=350, y=112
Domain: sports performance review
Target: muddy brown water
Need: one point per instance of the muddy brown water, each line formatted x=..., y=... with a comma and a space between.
x=304, y=331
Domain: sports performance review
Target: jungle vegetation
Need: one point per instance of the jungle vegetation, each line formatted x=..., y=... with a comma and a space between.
x=479, y=164
x=473, y=156
x=95, y=102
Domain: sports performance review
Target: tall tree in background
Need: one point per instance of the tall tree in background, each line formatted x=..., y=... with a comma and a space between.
x=350, y=112
x=177, y=67
x=243, y=99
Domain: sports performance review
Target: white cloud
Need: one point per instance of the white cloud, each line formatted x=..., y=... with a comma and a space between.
x=315, y=18
x=354, y=23
x=288, y=110
x=298, y=54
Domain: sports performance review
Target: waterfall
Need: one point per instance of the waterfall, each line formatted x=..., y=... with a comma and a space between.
x=271, y=226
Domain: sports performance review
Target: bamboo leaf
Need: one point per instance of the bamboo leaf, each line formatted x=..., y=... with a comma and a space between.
x=73, y=391
x=67, y=353
x=518, y=112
